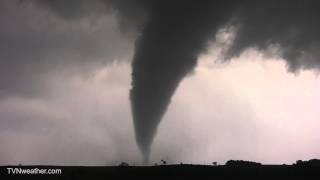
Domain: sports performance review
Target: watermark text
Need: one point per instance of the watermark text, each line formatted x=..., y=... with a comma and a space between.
x=19, y=170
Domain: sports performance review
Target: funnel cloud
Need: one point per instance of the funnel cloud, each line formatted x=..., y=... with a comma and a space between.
x=166, y=52
x=172, y=34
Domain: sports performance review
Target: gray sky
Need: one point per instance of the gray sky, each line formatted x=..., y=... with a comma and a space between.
x=64, y=98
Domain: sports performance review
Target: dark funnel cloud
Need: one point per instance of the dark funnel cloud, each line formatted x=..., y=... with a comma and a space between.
x=172, y=34
x=167, y=51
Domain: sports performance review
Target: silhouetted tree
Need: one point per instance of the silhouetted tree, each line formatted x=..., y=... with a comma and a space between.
x=311, y=162
x=242, y=163
x=124, y=164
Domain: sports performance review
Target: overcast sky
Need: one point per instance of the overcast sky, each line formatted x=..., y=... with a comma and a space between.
x=64, y=97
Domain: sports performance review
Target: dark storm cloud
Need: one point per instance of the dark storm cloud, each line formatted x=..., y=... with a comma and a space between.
x=292, y=25
x=74, y=9
x=130, y=14
x=172, y=36
x=35, y=43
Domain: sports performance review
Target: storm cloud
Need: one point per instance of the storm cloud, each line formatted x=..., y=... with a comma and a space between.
x=36, y=43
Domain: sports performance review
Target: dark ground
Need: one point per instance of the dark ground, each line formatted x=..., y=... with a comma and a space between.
x=232, y=170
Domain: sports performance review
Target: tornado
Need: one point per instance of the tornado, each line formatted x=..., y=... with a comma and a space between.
x=165, y=53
